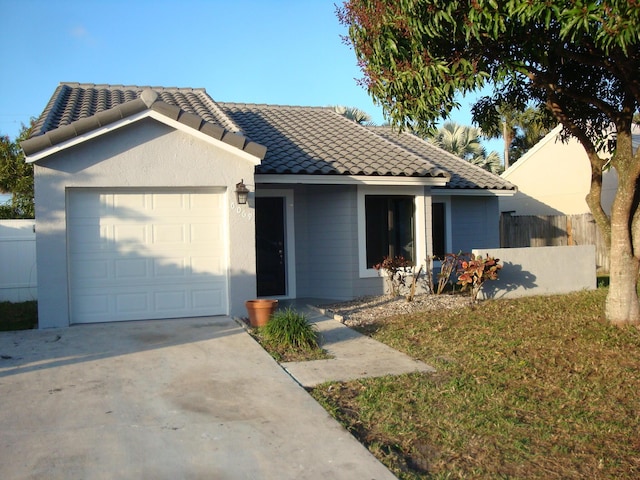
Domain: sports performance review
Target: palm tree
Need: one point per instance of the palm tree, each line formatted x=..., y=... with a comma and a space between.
x=519, y=129
x=490, y=162
x=355, y=114
x=464, y=142
x=532, y=128
x=461, y=140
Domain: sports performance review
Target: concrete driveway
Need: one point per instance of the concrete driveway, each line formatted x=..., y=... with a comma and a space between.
x=168, y=399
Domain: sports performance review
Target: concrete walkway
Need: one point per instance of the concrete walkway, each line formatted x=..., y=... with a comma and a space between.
x=169, y=399
x=354, y=355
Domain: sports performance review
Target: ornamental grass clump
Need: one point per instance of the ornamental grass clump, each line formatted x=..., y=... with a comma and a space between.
x=290, y=329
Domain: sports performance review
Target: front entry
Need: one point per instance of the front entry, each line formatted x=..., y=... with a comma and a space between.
x=270, y=246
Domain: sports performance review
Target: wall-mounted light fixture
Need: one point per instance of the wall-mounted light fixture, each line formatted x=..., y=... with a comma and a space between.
x=242, y=193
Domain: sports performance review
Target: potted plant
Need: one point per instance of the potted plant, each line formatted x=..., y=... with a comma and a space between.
x=260, y=310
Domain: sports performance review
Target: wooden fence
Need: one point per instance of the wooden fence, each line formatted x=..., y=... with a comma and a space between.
x=553, y=230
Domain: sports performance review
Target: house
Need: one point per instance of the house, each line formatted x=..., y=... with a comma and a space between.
x=138, y=212
x=553, y=178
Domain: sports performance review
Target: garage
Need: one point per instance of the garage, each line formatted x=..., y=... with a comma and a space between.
x=137, y=254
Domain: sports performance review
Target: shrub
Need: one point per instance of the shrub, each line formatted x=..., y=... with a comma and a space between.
x=290, y=329
x=472, y=273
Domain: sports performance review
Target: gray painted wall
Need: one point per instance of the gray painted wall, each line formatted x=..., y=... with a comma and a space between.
x=327, y=244
x=541, y=271
x=475, y=223
x=145, y=154
x=326, y=222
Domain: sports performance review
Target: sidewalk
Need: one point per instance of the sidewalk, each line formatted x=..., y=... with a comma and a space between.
x=355, y=355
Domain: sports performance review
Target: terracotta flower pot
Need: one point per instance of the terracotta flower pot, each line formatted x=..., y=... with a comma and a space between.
x=260, y=311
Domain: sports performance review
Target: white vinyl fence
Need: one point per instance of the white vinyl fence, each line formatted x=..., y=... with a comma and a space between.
x=18, y=280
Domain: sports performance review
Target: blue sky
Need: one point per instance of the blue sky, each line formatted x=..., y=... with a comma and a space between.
x=287, y=52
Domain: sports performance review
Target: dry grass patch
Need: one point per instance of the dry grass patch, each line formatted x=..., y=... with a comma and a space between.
x=530, y=388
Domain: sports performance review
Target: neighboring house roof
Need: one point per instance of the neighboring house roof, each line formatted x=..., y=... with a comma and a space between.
x=464, y=175
x=290, y=140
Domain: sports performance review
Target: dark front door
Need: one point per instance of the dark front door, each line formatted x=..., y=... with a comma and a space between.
x=270, y=247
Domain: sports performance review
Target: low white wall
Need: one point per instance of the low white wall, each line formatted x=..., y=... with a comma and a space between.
x=541, y=271
x=18, y=280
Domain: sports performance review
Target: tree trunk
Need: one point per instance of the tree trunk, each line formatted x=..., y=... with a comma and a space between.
x=622, y=306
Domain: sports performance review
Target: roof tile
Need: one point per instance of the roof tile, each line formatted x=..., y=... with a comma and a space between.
x=318, y=141
x=76, y=108
x=464, y=175
x=289, y=139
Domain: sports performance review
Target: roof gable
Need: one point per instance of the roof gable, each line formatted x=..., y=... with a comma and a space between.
x=79, y=109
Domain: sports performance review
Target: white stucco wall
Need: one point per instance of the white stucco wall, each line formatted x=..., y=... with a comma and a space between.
x=144, y=154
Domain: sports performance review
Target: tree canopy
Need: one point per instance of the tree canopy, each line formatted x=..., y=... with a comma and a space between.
x=579, y=59
x=16, y=177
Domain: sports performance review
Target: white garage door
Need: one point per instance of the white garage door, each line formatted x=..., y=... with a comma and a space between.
x=146, y=254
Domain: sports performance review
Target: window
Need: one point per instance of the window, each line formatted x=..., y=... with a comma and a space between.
x=390, y=227
x=438, y=229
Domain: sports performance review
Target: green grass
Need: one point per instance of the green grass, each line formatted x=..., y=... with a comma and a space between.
x=18, y=316
x=539, y=387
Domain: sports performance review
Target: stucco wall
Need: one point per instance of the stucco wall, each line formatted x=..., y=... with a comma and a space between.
x=553, y=178
x=541, y=271
x=144, y=154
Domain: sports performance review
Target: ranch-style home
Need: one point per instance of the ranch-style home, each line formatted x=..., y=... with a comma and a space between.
x=157, y=202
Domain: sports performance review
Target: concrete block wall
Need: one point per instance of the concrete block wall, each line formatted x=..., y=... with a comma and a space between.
x=541, y=271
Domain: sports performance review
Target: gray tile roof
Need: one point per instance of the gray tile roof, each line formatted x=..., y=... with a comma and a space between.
x=78, y=108
x=318, y=141
x=464, y=175
x=289, y=139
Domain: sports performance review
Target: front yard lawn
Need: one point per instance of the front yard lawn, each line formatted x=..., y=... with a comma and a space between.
x=539, y=387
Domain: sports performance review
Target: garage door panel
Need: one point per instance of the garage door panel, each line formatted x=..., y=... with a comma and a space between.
x=136, y=255
x=131, y=302
x=130, y=268
x=205, y=233
x=203, y=266
x=133, y=201
x=205, y=299
x=94, y=306
x=172, y=301
x=92, y=270
x=134, y=234
x=89, y=238
x=170, y=268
